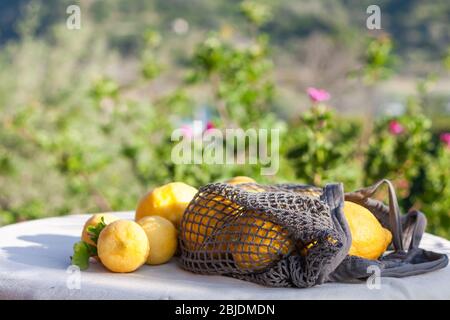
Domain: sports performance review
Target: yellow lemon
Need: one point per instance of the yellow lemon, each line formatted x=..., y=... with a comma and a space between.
x=259, y=243
x=123, y=246
x=240, y=180
x=369, y=239
x=162, y=239
x=168, y=201
x=93, y=221
x=205, y=217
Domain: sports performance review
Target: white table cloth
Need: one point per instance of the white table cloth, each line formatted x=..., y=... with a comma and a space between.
x=34, y=261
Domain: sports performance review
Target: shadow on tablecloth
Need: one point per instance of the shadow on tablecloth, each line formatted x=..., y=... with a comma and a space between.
x=49, y=251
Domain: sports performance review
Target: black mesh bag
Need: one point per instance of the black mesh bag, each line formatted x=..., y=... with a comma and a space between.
x=291, y=235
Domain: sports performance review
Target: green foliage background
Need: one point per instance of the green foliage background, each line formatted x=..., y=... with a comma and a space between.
x=86, y=115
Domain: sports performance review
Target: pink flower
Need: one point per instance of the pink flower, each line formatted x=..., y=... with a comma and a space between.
x=396, y=128
x=196, y=129
x=187, y=131
x=445, y=138
x=209, y=126
x=318, y=95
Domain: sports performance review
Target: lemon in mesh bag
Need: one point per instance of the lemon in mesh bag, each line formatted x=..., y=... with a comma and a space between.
x=240, y=180
x=211, y=214
x=258, y=242
x=245, y=183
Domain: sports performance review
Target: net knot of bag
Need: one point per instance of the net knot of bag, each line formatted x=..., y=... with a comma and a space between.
x=292, y=235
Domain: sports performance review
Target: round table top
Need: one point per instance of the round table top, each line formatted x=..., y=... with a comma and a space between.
x=35, y=264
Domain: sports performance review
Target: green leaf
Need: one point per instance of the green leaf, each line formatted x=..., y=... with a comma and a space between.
x=94, y=231
x=81, y=255
x=82, y=251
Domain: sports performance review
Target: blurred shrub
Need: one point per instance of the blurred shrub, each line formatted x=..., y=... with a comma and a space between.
x=322, y=145
x=239, y=78
x=378, y=60
x=432, y=191
x=402, y=149
x=397, y=147
x=257, y=13
x=73, y=138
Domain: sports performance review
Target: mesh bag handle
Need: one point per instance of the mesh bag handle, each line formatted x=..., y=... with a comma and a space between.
x=413, y=224
x=407, y=230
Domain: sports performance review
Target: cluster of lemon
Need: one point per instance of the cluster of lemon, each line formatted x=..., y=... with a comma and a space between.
x=125, y=245
x=254, y=242
x=259, y=241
